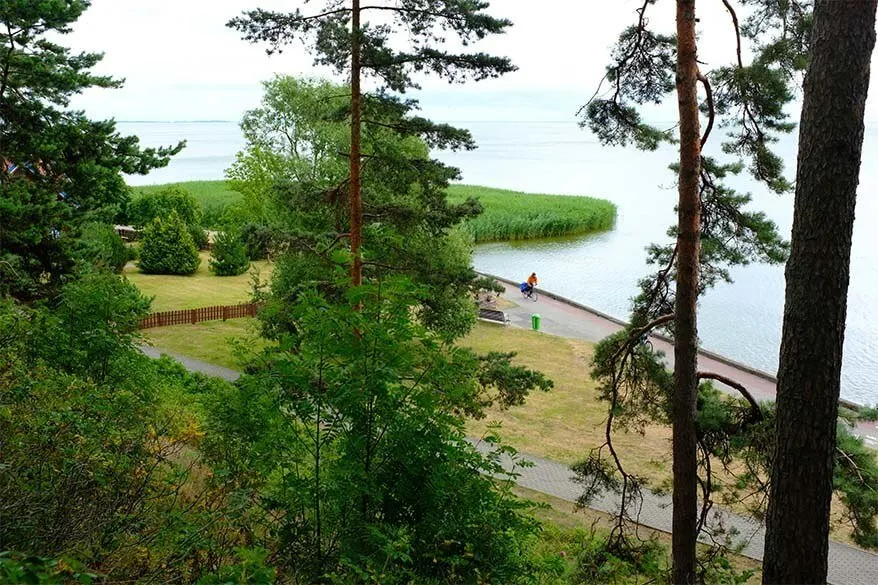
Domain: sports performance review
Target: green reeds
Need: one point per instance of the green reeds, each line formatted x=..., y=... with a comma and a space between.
x=510, y=215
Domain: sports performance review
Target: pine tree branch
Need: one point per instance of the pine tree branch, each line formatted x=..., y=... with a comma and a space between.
x=748, y=114
x=641, y=26
x=754, y=406
x=856, y=468
x=7, y=63
x=710, y=107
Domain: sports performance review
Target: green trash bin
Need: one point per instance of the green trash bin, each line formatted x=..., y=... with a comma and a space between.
x=535, y=321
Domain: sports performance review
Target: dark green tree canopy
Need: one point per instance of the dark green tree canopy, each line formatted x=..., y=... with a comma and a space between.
x=294, y=175
x=58, y=168
x=423, y=23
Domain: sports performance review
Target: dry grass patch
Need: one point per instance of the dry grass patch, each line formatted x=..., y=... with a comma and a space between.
x=215, y=342
x=566, y=423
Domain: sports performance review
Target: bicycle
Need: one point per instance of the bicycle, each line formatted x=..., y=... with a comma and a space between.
x=530, y=293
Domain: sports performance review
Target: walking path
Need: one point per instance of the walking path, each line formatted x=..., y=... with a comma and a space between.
x=567, y=318
x=847, y=565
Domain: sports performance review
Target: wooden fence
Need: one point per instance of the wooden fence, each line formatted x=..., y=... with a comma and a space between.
x=192, y=316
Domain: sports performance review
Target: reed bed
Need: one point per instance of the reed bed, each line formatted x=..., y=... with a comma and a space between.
x=209, y=194
x=508, y=215
x=511, y=215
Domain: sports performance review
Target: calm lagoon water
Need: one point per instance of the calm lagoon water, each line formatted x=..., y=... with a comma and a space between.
x=740, y=320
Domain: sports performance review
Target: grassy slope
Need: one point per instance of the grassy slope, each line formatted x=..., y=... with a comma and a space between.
x=509, y=215
x=214, y=342
x=202, y=289
x=565, y=423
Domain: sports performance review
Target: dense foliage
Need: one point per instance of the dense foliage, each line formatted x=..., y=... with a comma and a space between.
x=102, y=247
x=167, y=248
x=355, y=442
x=161, y=203
x=294, y=180
x=58, y=169
x=229, y=255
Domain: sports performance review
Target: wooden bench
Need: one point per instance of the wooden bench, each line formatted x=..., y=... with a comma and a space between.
x=493, y=315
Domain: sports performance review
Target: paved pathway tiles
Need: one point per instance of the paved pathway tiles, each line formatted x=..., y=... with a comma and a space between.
x=847, y=565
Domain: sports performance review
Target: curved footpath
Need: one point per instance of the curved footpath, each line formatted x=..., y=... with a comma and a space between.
x=566, y=318
x=847, y=565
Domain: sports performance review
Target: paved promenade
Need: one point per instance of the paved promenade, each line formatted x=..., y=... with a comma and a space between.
x=847, y=565
x=568, y=319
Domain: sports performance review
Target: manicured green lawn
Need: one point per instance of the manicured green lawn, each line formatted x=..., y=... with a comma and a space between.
x=224, y=343
x=202, y=289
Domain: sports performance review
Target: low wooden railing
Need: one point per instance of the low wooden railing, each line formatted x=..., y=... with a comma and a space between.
x=192, y=316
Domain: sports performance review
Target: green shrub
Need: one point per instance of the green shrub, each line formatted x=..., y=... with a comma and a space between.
x=869, y=413
x=213, y=215
x=167, y=247
x=229, y=255
x=259, y=239
x=147, y=207
x=102, y=247
x=199, y=236
x=17, y=568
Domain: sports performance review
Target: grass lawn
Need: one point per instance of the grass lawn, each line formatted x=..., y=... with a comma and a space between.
x=566, y=422
x=223, y=343
x=202, y=289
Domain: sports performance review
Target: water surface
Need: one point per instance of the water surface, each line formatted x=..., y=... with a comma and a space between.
x=741, y=320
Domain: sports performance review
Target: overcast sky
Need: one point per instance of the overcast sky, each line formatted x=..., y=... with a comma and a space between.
x=181, y=62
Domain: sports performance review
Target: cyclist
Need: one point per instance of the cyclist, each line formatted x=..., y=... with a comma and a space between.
x=529, y=285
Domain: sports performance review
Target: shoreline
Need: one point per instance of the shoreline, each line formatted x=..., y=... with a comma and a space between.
x=701, y=352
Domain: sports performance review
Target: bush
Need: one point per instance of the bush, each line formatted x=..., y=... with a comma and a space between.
x=229, y=256
x=199, y=236
x=869, y=413
x=259, y=240
x=102, y=247
x=167, y=247
x=147, y=207
x=212, y=216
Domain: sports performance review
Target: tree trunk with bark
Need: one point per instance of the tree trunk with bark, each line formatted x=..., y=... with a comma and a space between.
x=685, y=496
x=356, y=134
x=817, y=274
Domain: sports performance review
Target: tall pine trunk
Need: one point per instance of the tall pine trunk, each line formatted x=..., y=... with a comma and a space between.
x=356, y=134
x=685, y=323
x=817, y=274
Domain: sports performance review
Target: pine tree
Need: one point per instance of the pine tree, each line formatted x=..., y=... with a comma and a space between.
x=58, y=168
x=340, y=38
x=818, y=271
x=713, y=230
